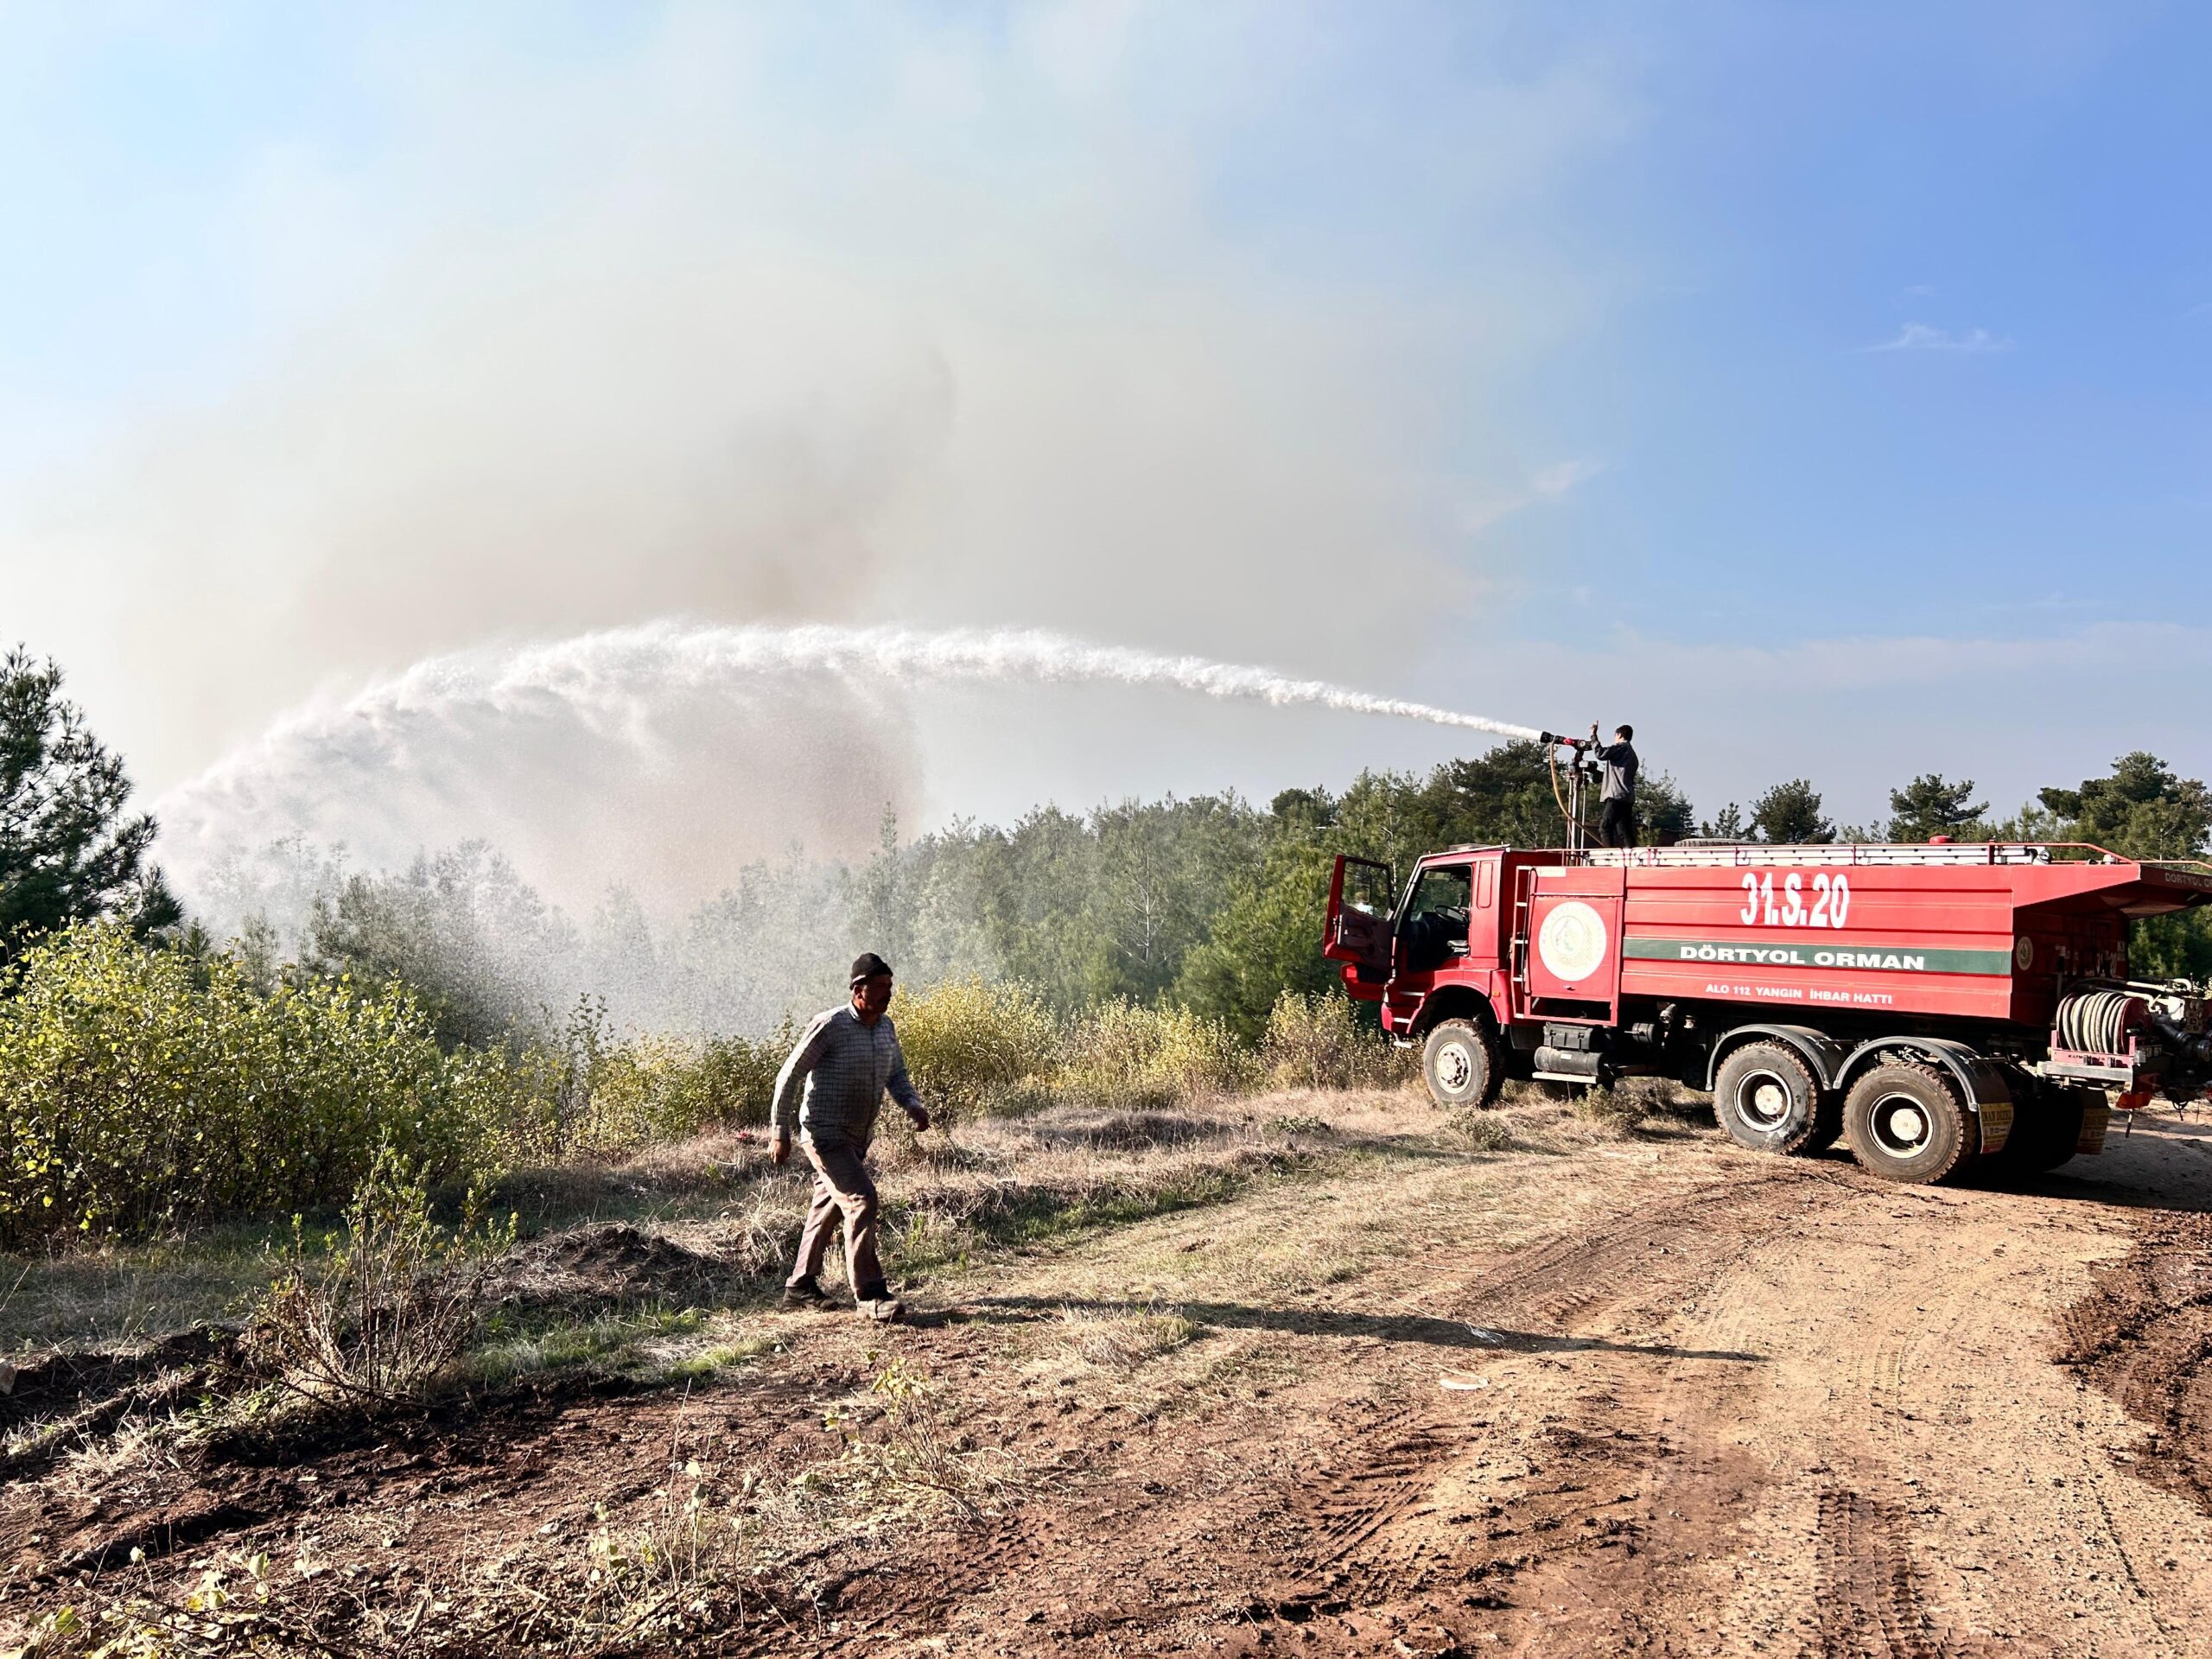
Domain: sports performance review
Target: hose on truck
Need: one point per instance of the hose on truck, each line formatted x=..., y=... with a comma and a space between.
x=1551, y=755
x=2095, y=1022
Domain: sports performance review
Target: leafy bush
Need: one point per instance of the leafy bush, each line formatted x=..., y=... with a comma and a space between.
x=1314, y=1041
x=1128, y=1056
x=975, y=1047
x=145, y=1088
x=394, y=1306
x=663, y=1087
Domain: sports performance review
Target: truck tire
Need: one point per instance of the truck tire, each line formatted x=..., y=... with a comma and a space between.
x=1458, y=1062
x=2046, y=1129
x=1768, y=1100
x=1905, y=1122
x=1828, y=1124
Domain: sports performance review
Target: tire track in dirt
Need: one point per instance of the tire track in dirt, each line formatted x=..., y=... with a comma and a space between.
x=1905, y=1477
x=2144, y=1337
x=1782, y=1410
x=1324, y=1548
x=1449, y=1529
x=1388, y=1478
x=1337, y=1551
x=1869, y=1598
x=1913, y=1381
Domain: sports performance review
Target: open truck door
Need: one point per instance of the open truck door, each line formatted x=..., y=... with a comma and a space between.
x=1358, y=932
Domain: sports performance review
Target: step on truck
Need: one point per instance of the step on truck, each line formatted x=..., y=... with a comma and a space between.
x=1933, y=1004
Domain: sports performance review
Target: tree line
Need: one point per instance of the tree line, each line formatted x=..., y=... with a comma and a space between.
x=1212, y=903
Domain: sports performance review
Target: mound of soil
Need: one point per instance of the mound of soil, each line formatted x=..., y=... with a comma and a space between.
x=48, y=1384
x=2144, y=1336
x=606, y=1263
x=70, y=1399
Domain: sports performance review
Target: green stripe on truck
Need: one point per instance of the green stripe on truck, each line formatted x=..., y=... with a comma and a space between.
x=1893, y=958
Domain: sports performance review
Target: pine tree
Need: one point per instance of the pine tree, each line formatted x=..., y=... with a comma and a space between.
x=1928, y=806
x=1789, y=813
x=67, y=852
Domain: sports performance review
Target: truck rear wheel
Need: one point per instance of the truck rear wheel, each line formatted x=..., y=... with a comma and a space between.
x=1905, y=1122
x=2046, y=1129
x=1459, y=1065
x=1768, y=1100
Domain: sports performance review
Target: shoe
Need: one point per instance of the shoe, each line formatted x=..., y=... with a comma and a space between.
x=877, y=1303
x=805, y=1294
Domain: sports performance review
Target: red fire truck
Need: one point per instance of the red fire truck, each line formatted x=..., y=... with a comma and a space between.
x=1932, y=1004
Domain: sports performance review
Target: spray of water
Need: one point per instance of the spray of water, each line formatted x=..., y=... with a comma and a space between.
x=1003, y=654
x=606, y=724
x=586, y=667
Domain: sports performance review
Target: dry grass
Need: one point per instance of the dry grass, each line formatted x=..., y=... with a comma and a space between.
x=722, y=1547
x=93, y=1465
x=1481, y=1131
x=113, y=1293
x=1616, y=1111
x=1627, y=1105
x=915, y=1457
x=1023, y=1180
x=1119, y=1339
x=667, y=1571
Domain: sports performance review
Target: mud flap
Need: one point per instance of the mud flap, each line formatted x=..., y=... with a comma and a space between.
x=2096, y=1117
x=1996, y=1115
x=1993, y=1104
x=1989, y=1098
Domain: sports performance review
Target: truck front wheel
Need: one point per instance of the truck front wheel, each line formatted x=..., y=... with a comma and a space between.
x=1905, y=1122
x=1768, y=1100
x=1459, y=1063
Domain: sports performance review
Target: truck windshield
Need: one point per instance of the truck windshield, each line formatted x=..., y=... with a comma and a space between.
x=1435, y=925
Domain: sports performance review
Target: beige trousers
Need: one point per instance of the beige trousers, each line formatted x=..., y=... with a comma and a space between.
x=841, y=1188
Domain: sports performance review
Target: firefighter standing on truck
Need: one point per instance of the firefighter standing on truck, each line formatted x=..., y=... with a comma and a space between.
x=1617, y=800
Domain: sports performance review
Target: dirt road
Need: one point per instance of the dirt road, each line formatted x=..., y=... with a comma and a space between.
x=1738, y=1405
x=1580, y=1397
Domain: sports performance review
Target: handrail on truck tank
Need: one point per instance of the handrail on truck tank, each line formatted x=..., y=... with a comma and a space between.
x=1870, y=854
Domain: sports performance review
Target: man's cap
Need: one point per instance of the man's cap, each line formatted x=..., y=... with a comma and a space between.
x=867, y=965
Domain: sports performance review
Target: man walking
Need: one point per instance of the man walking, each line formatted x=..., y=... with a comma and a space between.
x=844, y=1062
x=1617, y=800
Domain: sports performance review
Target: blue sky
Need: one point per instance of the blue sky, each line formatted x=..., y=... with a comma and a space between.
x=1828, y=388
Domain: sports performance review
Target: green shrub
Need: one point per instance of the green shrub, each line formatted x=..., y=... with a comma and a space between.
x=1315, y=1041
x=975, y=1047
x=661, y=1087
x=145, y=1088
x=1126, y=1055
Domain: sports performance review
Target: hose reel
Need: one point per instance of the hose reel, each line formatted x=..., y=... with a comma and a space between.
x=2097, y=1022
